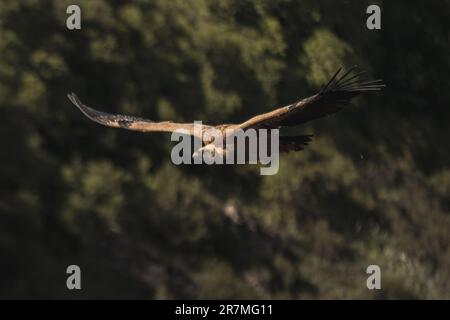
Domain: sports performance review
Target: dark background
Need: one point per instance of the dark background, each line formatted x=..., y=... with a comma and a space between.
x=372, y=188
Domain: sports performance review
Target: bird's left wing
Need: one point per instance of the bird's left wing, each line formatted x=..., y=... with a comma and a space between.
x=133, y=123
x=336, y=94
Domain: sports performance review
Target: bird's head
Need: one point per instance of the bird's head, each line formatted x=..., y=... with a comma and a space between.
x=208, y=153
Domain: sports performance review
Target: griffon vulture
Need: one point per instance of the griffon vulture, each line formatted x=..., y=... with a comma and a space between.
x=331, y=98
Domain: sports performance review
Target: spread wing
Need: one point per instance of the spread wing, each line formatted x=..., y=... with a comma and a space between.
x=133, y=123
x=335, y=95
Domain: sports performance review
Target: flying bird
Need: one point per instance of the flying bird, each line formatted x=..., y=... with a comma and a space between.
x=331, y=98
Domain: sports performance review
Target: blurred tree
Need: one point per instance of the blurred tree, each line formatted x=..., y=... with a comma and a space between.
x=373, y=187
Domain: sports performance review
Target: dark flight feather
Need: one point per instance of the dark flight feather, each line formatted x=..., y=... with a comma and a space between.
x=331, y=98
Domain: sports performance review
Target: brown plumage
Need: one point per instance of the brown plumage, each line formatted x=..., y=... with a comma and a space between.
x=334, y=96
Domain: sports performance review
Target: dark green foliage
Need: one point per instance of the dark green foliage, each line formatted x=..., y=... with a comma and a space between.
x=373, y=187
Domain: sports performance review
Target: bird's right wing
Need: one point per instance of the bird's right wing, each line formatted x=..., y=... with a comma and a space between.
x=133, y=123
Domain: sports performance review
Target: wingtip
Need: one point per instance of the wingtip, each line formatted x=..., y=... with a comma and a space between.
x=74, y=99
x=70, y=96
x=88, y=112
x=333, y=78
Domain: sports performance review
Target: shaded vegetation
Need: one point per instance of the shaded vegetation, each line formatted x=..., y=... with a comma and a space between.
x=372, y=188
